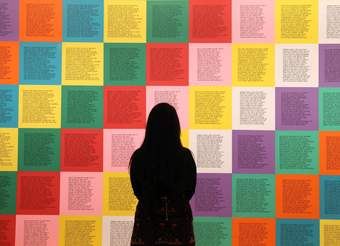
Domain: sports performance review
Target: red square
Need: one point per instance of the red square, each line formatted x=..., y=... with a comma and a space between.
x=81, y=150
x=38, y=193
x=7, y=230
x=167, y=64
x=124, y=107
x=210, y=21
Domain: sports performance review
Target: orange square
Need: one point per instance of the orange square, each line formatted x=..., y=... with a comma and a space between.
x=41, y=20
x=9, y=63
x=329, y=153
x=253, y=231
x=297, y=196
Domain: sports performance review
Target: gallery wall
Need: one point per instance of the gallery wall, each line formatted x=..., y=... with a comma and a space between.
x=256, y=84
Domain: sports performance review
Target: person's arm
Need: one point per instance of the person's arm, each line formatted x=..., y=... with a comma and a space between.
x=191, y=175
x=136, y=186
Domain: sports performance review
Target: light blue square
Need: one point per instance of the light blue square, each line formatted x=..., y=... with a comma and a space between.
x=40, y=63
x=330, y=197
x=8, y=106
x=297, y=232
x=83, y=20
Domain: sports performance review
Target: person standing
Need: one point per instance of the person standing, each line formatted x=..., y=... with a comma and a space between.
x=163, y=177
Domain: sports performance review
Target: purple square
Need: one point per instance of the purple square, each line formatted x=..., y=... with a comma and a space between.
x=296, y=109
x=329, y=65
x=213, y=195
x=253, y=151
x=9, y=20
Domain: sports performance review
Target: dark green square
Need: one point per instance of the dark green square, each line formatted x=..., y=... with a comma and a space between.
x=8, y=187
x=124, y=64
x=39, y=149
x=167, y=21
x=82, y=107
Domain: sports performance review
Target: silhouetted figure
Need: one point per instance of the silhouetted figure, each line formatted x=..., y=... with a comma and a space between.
x=163, y=177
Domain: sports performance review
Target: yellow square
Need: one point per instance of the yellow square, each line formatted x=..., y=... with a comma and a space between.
x=39, y=106
x=296, y=21
x=82, y=64
x=253, y=65
x=125, y=21
x=329, y=232
x=8, y=149
x=80, y=230
x=210, y=107
x=119, y=199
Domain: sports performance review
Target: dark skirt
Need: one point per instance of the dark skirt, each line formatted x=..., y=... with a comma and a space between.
x=163, y=223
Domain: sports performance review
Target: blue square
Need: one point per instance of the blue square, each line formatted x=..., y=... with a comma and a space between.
x=330, y=197
x=8, y=106
x=83, y=20
x=297, y=232
x=40, y=63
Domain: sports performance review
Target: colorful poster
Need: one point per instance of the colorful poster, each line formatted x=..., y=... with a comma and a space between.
x=256, y=87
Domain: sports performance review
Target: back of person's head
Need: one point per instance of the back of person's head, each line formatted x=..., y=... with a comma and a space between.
x=162, y=129
x=157, y=156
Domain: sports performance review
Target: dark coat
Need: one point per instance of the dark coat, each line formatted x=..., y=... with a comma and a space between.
x=163, y=213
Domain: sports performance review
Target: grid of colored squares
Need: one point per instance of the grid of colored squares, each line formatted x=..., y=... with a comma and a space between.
x=256, y=85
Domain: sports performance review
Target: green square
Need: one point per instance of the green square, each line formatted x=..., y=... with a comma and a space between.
x=206, y=229
x=8, y=187
x=297, y=152
x=39, y=149
x=253, y=195
x=167, y=21
x=329, y=108
x=125, y=64
x=82, y=107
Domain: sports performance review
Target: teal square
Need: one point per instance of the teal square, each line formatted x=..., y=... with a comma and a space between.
x=330, y=197
x=205, y=229
x=329, y=108
x=9, y=106
x=83, y=20
x=40, y=63
x=289, y=230
x=253, y=195
x=297, y=152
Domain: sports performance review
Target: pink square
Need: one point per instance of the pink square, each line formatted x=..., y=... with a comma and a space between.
x=253, y=21
x=119, y=144
x=81, y=193
x=36, y=230
x=210, y=64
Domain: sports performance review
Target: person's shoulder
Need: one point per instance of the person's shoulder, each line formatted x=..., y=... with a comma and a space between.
x=188, y=159
x=187, y=152
x=137, y=151
x=136, y=155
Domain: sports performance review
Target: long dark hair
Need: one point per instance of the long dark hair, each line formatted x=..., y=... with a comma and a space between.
x=161, y=144
x=162, y=129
